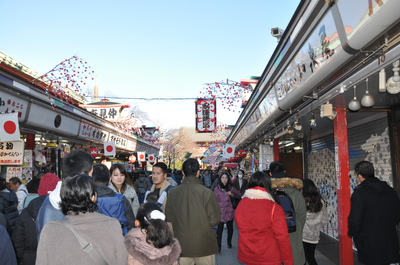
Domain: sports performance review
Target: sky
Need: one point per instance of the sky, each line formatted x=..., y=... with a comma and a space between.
x=149, y=49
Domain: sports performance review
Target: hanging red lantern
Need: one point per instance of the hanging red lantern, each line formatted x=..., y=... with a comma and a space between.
x=132, y=159
x=94, y=152
x=242, y=153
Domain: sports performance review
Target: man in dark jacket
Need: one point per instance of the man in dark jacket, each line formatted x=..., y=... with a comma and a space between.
x=8, y=206
x=193, y=210
x=101, y=177
x=374, y=215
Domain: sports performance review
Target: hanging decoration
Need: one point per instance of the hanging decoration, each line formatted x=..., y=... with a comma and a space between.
x=228, y=92
x=206, y=115
x=66, y=80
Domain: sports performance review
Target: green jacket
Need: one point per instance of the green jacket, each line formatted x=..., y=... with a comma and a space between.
x=292, y=187
x=193, y=210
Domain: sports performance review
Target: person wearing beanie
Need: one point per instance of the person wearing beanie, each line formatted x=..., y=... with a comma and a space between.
x=25, y=236
x=47, y=184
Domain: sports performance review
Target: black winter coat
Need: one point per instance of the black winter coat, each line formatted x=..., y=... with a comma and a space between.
x=374, y=214
x=24, y=237
x=9, y=208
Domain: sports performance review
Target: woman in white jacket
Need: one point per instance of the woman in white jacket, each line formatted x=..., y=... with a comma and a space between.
x=317, y=216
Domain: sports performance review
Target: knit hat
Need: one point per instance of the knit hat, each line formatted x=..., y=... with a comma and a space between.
x=47, y=184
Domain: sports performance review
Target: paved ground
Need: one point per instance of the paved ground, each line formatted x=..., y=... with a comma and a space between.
x=229, y=256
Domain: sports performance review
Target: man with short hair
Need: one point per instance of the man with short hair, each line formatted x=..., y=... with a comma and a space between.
x=193, y=210
x=374, y=215
x=292, y=187
x=160, y=185
x=74, y=162
x=20, y=190
x=111, y=203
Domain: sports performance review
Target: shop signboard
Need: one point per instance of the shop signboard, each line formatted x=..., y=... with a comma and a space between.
x=11, y=104
x=12, y=153
x=206, y=115
x=47, y=119
x=120, y=142
x=13, y=172
x=131, y=145
x=89, y=131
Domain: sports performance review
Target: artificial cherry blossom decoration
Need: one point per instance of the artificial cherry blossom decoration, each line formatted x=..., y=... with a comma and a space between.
x=66, y=79
x=229, y=92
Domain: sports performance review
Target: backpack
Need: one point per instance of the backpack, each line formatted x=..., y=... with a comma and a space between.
x=288, y=208
x=114, y=207
x=28, y=199
x=141, y=186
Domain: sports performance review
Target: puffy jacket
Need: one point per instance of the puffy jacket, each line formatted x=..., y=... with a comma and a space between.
x=24, y=236
x=130, y=195
x=314, y=222
x=9, y=208
x=225, y=202
x=292, y=187
x=193, y=210
x=263, y=233
x=143, y=253
x=104, y=191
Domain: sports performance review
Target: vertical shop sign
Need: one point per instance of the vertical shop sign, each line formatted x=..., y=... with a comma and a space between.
x=206, y=115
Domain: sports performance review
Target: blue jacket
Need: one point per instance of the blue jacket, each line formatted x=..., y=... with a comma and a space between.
x=46, y=214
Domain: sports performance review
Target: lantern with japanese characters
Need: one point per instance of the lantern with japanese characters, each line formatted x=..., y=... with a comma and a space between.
x=132, y=159
x=94, y=152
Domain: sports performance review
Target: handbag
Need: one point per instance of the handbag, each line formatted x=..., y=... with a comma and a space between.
x=86, y=246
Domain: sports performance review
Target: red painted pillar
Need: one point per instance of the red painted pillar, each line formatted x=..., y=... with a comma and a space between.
x=343, y=185
x=30, y=145
x=276, y=149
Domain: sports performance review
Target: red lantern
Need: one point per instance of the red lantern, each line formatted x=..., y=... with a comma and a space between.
x=94, y=152
x=132, y=159
x=242, y=153
x=236, y=157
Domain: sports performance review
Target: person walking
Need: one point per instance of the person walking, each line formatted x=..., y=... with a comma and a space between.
x=152, y=242
x=160, y=184
x=142, y=184
x=263, y=233
x=121, y=183
x=292, y=188
x=374, y=215
x=225, y=193
x=59, y=243
x=193, y=210
x=20, y=190
x=8, y=206
x=317, y=216
x=240, y=183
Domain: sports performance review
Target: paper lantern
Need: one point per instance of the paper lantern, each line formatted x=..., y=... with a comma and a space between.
x=94, y=152
x=242, y=153
x=132, y=159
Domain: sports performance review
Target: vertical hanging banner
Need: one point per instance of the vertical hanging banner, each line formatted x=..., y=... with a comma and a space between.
x=206, y=115
x=9, y=127
x=109, y=149
x=141, y=157
x=151, y=158
x=229, y=150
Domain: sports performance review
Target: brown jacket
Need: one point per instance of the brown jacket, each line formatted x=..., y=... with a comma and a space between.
x=58, y=245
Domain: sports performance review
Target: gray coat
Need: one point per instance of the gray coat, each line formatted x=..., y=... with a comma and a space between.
x=292, y=187
x=314, y=222
x=58, y=245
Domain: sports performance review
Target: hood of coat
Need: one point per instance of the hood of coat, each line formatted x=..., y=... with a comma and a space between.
x=146, y=253
x=287, y=182
x=257, y=194
x=374, y=184
x=103, y=190
x=9, y=196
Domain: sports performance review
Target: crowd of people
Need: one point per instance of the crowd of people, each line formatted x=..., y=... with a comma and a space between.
x=97, y=215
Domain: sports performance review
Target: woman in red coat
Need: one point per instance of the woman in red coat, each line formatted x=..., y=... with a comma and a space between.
x=263, y=233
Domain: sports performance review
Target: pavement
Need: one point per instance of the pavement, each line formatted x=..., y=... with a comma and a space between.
x=229, y=256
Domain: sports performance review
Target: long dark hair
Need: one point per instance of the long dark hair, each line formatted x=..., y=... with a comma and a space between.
x=312, y=196
x=122, y=170
x=157, y=230
x=260, y=179
x=229, y=184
